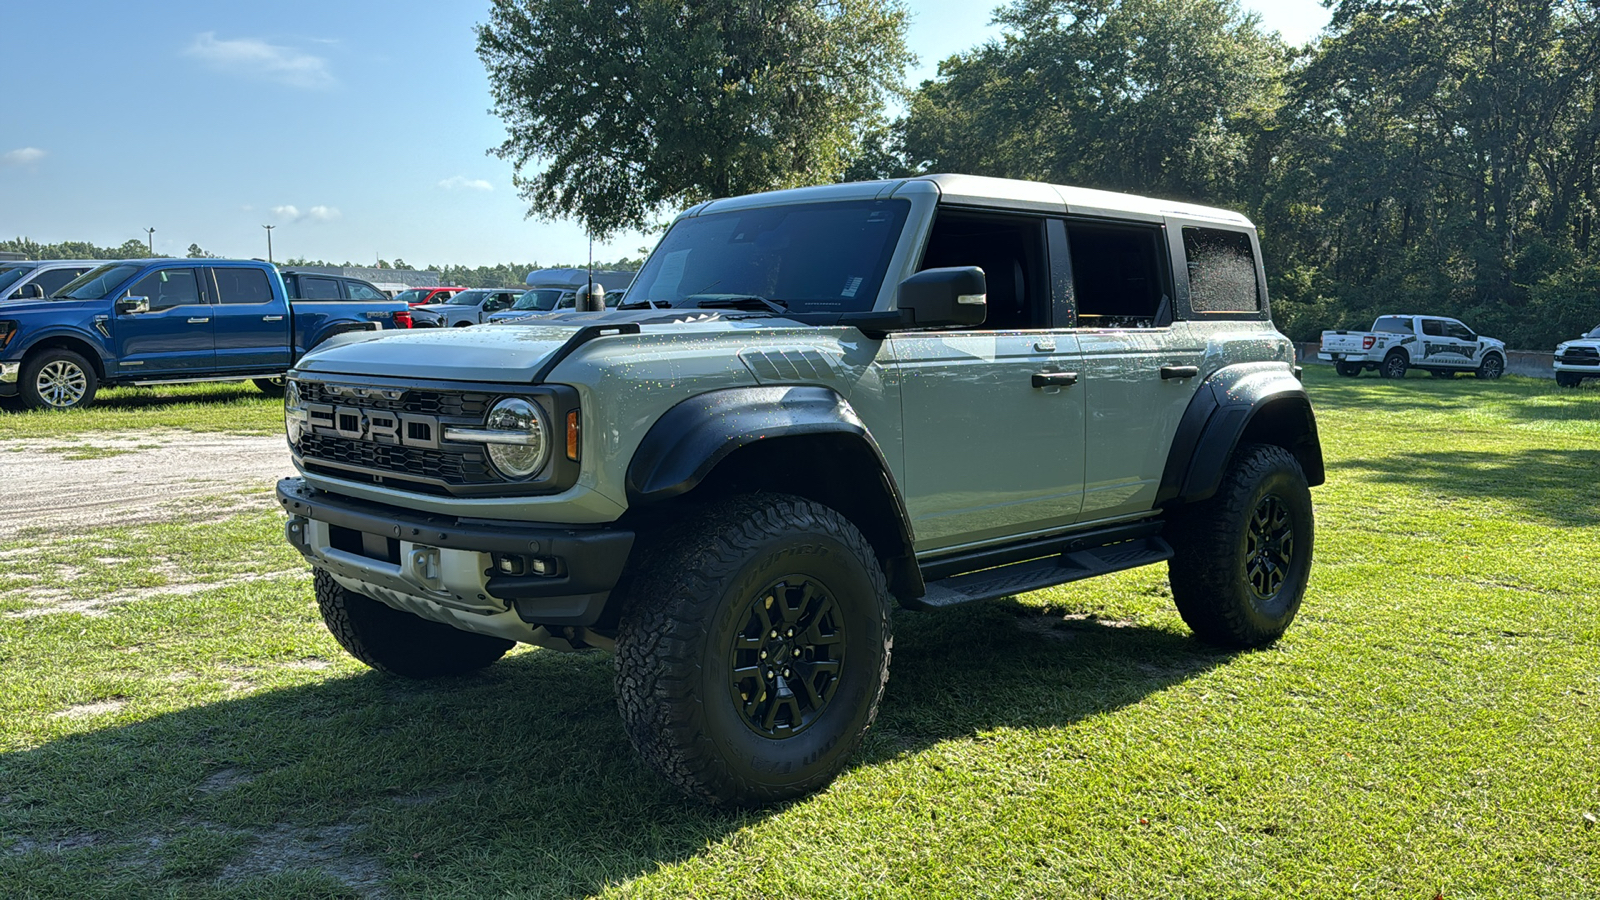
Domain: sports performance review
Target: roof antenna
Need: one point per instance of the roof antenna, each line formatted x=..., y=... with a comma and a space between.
x=593, y=297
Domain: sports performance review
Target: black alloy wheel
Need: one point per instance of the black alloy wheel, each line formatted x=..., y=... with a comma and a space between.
x=1269, y=547
x=1394, y=366
x=786, y=660
x=1492, y=367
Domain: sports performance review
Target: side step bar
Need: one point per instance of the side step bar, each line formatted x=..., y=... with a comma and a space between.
x=1036, y=574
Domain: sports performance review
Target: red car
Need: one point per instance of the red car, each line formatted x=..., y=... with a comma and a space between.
x=420, y=296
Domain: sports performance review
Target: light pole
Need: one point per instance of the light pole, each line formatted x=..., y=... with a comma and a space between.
x=269, y=240
x=150, y=236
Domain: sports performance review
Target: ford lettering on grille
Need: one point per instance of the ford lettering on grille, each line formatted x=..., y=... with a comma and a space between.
x=380, y=427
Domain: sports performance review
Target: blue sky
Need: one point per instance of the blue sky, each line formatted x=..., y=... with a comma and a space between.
x=358, y=129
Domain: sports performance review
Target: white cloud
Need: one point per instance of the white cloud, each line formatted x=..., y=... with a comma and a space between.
x=465, y=183
x=258, y=59
x=323, y=213
x=22, y=156
x=291, y=213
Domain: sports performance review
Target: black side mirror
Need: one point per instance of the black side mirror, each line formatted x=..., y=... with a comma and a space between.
x=128, y=306
x=954, y=296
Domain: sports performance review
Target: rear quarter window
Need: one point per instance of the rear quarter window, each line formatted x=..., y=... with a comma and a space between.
x=1392, y=325
x=1222, y=271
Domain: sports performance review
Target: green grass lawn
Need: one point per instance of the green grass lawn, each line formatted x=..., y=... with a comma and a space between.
x=1429, y=726
x=237, y=407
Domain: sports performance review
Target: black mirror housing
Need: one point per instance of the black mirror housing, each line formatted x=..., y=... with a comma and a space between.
x=940, y=297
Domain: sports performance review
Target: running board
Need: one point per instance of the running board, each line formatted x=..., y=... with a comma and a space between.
x=1036, y=574
x=153, y=382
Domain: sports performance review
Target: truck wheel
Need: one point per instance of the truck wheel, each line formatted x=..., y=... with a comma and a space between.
x=1492, y=367
x=1394, y=365
x=1567, y=379
x=753, y=650
x=1241, y=558
x=272, y=387
x=57, y=379
x=400, y=643
x=1348, y=370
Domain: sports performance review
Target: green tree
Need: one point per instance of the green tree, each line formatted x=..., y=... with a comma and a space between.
x=634, y=106
x=197, y=252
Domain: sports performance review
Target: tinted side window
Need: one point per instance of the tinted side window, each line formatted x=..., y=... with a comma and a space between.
x=243, y=286
x=1222, y=271
x=1117, y=276
x=359, y=291
x=1011, y=252
x=168, y=288
x=1459, y=331
x=1392, y=325
x=56, y=279
x=318, y=288
x=1433, y=327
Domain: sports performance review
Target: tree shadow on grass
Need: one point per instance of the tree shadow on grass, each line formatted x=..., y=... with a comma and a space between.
x=1552, y=485
x=516, y=780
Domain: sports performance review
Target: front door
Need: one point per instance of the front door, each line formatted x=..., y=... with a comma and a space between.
x=993, y=425
x=174, y=338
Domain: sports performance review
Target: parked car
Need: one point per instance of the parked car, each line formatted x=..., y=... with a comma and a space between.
x=155, y=321
x=428, y=295
x=38, y=279
x=1578, y=359
x=323, y=286
x=860, y=395
x=469, y=307
x=1438, y=345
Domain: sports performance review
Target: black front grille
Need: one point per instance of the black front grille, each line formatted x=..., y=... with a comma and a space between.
x=1580, y=356
x=446, y=404
x=452, y=467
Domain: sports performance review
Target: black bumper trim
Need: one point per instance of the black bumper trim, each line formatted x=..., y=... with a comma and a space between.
x=591, y=558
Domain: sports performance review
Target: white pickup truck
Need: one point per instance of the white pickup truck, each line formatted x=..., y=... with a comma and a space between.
x=1578, y=359
x=1397, y=344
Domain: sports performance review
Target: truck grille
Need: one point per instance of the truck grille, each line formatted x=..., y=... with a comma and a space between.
x=1581, y=356
x=446, y=404
x=337, y=456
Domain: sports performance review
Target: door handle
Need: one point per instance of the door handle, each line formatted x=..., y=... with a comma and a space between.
x=1168, y=372
x=200, y=321
x=272, y=318
x=1054, y=379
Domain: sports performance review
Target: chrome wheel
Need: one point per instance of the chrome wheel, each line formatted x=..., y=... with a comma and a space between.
x=61, y=383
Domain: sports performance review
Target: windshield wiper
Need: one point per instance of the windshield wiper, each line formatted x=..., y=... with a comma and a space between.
x=644, y=304
x=737, y=301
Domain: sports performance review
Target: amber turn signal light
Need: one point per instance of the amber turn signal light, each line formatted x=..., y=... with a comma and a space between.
x=572, y=435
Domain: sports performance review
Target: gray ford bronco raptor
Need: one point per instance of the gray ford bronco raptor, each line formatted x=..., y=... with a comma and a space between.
x=815, y=405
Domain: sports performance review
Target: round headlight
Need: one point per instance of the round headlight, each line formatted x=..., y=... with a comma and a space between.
x=522, y=445
x=294, y=414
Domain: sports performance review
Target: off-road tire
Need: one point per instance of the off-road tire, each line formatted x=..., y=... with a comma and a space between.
x=57, y=379
x=1348, y=370
x=1211, y=569
x=690, y=610
x=1568, y=379
x=1492, y=367
x=400, y=643
x=272, y=387
x=1394, y=365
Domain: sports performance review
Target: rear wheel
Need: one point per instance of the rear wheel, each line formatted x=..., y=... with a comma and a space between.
x=1241, y=559
x=1493, y=366
x=753, y=650
x=1348, y=370
x=399, y=643
x=272, y=387
x=57, y=379
x=1394, y=365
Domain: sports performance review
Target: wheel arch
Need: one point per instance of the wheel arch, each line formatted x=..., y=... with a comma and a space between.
x=82, y=346
x=806, y=441
x=1251, y=403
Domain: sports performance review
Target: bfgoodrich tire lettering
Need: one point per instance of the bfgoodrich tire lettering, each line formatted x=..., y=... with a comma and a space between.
x=400, y=643
x=1241, y=558
x=697, y=619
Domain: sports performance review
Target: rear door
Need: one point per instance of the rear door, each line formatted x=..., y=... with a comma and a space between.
x=251, y=324
x=175, y=337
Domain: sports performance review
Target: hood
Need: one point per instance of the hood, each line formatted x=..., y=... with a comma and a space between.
x=46, y=307
x=432, y=307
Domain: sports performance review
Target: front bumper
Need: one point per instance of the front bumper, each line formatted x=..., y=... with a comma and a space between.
x=478, y=575
x=9, y=372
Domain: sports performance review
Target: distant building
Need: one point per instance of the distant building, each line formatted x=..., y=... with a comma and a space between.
x=610, y=279
x=9, y=256
x=390, y=281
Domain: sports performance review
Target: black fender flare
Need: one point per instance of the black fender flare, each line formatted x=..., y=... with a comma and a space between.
x=1220, y=415
x=689, y=440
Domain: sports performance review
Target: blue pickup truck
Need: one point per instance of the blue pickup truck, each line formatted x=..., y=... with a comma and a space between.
x=168, y=321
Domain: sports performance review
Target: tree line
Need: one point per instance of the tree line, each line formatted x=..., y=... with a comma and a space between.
x=1434, y=156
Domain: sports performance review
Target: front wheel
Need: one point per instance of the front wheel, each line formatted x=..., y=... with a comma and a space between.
x=1492, y=367
x=1394, y=366
x=57, y=379
x=1567, y=379
x=1241, y=559
x=753, y=650
x=1348, y=370
x=400, y=643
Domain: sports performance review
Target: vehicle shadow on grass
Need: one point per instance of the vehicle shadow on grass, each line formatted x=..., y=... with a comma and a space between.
x=1545, y=483
x=518, y=780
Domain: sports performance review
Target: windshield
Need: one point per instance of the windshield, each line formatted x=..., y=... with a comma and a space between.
x=541, y=299
x=12, y=275
x=96, y=283
x=411, y=296
x=814, y=257
x=467, y=298
x=1593, y=332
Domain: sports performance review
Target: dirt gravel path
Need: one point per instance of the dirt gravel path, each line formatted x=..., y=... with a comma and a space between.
x=62, y=485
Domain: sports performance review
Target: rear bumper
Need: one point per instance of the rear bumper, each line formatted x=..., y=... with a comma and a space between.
x=479, y=575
